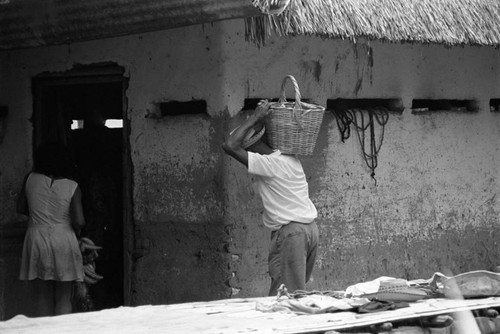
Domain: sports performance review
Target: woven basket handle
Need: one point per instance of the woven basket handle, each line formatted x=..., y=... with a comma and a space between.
x=282, y=99
x=296, y=90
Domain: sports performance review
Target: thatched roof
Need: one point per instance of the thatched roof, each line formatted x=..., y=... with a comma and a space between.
x=449, y=22
x=28, y=23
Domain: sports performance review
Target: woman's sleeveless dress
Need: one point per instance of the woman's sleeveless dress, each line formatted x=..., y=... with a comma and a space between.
x=50, y=250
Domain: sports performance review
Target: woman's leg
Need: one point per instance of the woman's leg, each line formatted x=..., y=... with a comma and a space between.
x=62, y=297
x=43, y=293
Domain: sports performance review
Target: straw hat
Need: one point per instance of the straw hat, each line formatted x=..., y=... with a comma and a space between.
x=251, y=137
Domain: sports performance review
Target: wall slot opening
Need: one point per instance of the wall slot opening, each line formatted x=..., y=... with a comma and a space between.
x=495, y=105
x=391, y=105
x=427, y=105
x=109, y=123
x=4, y=111
x=175, y=108
x=251, y=104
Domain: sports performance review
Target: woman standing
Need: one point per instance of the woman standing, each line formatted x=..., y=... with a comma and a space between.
x=51, y=258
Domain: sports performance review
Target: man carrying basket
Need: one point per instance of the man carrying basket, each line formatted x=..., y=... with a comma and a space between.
x=288, y=211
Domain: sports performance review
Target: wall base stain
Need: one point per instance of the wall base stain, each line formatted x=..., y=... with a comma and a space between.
x=451, y=254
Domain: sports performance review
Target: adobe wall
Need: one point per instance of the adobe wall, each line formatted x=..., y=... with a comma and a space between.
x=197, y=226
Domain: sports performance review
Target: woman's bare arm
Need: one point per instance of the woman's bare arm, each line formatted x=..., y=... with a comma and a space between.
x=76, y=211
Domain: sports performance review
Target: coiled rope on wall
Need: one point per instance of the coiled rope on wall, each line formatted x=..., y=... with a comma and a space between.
x=344, y=120
x=365, y=122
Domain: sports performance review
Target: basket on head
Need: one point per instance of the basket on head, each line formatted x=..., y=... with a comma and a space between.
x=293, y=127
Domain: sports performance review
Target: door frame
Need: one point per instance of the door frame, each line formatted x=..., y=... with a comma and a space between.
x=90, y=74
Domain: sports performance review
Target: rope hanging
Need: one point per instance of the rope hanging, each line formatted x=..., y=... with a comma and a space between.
x=364, y=120
x=381, y=116
x=344, y=120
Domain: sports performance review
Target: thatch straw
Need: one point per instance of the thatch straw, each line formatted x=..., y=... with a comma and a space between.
x=449, y=22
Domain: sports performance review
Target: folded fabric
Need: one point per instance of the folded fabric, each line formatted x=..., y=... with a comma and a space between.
x=363, y=288
x=380, y=305
x=387, y=289
x=311, y=304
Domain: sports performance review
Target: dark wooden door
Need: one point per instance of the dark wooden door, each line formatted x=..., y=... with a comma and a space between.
x=86, y=113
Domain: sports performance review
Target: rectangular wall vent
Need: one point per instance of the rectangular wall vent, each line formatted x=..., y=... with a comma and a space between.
x=495, y=105
x=391, y=105
x=428, y=105
x=175, y=108
x=4, y=111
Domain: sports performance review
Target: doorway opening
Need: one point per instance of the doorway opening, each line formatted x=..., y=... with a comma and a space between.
x=84, y=109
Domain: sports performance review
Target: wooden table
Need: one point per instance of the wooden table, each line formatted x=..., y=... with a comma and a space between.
x=228, y=316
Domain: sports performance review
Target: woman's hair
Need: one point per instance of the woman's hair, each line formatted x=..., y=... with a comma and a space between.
x=54, y=159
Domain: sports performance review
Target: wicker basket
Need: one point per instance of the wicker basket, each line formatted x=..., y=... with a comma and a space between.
x=293, y=127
